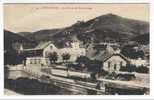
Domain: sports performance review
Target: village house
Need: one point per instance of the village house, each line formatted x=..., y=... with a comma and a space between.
x=114, y=62
x=39, y=54
x=139, y=62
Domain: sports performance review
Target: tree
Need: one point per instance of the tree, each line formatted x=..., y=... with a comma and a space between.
x=142, y=69
x=130, y=52
x=16, y=46
x=128, y=68
x=66, y=56
x=94, y=65
x=53, y=57
x=83, y=60
x=12, y=58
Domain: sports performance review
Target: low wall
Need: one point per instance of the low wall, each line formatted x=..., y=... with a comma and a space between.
x=14, y=74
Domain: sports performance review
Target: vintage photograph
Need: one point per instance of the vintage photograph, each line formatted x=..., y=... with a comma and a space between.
x=76, y=49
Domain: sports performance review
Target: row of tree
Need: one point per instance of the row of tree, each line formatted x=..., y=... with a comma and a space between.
x=132, y=68
x=53, y=57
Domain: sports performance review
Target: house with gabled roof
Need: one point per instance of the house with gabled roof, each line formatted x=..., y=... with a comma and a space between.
x=114, y=62
x=40, y=53
x=37, y=51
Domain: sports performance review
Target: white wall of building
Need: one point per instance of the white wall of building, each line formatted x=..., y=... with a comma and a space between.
x=139, y=62
x=37, y=61
x=74, y=51
x=117, y=61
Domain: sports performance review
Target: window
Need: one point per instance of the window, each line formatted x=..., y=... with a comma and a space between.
x=31, y=62
x=109, y=64
x=35, y=61
x=47, y=62
x=39, y=61
x=115, y=65
x=121, y=63
x=46, y=54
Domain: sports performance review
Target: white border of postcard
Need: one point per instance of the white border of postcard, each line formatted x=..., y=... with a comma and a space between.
x=77, y=96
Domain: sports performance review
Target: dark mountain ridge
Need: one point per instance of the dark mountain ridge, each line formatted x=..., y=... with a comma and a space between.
x=104, y=27
x=107, y=27
x=11, y=38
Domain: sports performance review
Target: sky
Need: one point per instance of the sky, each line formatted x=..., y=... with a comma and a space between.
x=35, y=17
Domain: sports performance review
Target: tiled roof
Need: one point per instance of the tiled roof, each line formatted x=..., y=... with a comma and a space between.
x=115, y=54
x=40, y=46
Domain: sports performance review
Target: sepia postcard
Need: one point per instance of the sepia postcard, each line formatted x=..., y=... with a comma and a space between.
x=76, y=49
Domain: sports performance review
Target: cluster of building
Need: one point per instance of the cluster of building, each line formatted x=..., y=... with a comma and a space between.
x=39, y=54
x=111, y=63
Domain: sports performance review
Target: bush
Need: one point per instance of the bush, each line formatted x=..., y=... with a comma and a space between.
x=142, y=69
x=103, y=73
x=90, y=65
x=111, y=76
x=66, y=57
x=83, y=60
x=94, y=65
x=128, y=51
x=128, y=68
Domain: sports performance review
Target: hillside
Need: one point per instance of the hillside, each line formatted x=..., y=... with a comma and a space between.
x=142, y=39
x=106, y=27
x=39, y=35
x=11, y=38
